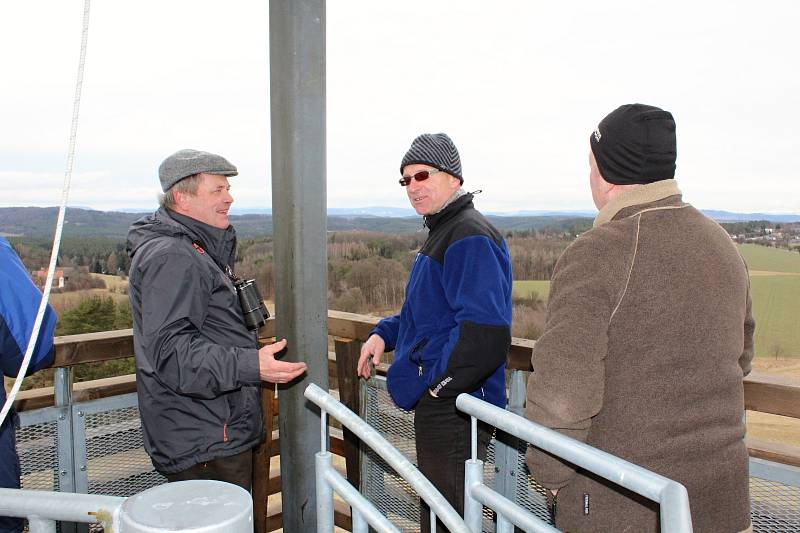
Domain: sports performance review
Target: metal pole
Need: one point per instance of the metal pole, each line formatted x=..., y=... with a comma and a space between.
x=473, y=509
x=297, y=86
x=506, y=445
x=359, y=524
x=41, y=525
x=66, y=472
x=324, y=504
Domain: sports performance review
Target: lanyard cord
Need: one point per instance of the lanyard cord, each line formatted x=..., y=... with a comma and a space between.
x=76, y=104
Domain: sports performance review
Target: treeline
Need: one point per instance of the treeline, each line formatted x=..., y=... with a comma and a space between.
x=90, y=315
x=367, y=271
x=100, y=255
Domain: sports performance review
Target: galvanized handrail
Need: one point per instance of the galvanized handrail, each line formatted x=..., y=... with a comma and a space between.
x=43, y=508
x=361, y=506
x=671, y=495
x=195, y=505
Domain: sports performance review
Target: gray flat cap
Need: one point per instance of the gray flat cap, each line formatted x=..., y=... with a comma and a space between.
x=187, y=162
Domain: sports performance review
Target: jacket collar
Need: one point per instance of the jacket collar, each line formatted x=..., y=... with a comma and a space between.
x=220, y=244
x=644, y=194
x=462, y=202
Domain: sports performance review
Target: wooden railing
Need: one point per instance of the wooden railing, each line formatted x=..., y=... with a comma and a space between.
x=763, y=392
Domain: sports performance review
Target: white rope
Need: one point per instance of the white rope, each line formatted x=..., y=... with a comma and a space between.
x=76, y=104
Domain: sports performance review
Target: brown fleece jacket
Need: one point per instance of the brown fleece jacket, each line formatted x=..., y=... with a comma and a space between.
x=648, y=336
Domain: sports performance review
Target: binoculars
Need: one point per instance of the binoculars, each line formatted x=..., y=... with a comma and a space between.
x=253, y=309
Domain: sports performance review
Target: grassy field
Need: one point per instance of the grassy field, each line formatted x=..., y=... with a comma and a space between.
x=525, y=288
x=68, y=300
x=776, y=308
x=775, y=283
x=770, y=259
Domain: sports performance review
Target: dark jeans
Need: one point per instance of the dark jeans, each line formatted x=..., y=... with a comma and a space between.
x=443, y=436
x=236, y=469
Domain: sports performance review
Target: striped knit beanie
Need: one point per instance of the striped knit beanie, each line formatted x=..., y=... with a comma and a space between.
x=436, y=150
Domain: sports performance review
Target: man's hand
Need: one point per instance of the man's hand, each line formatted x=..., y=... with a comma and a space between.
x=276, y=371
x=373, y=348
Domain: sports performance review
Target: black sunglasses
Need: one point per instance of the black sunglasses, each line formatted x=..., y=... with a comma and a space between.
x=422, y=175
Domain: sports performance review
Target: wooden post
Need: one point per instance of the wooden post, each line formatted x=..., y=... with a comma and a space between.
x=261, y=460
x=347, y=353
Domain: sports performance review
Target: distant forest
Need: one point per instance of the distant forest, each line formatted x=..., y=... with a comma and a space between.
x=41, y=221
x=367, y=273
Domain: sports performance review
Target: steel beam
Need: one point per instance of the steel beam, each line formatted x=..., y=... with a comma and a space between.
x=297, y=110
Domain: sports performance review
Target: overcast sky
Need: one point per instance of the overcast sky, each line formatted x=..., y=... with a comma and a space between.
x=518, y=85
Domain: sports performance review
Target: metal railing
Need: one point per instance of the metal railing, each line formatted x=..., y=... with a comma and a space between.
x=671, y=495
x=43, y=508
x=196, y=505
x=54, y=448
x=364, y=513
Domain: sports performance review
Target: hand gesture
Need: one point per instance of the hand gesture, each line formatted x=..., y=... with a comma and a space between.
x=373, y=348
x=276, y=371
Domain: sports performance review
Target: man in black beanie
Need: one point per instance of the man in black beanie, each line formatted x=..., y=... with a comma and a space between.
x=454, y=330
x=648, y=335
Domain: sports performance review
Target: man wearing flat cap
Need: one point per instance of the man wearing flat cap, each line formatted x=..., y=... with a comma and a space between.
x=648, y=335
x=454, y=330
x=198, y=366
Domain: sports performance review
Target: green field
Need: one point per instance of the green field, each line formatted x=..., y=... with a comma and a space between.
x=776, y=298
x=525, y=288
x=776, y=308
x=770, y=259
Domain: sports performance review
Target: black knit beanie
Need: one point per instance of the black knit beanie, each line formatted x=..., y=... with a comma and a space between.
x=436, y=150
x=635, y=143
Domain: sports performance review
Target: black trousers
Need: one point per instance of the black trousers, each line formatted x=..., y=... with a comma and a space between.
x=443, y=438
x=236, y=469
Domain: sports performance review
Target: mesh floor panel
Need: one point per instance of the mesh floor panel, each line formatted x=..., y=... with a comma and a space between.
x=117, y=462
x=394, y=497
x=774, y=507
x=380, y=483
x=530, y=495
x=37, y=446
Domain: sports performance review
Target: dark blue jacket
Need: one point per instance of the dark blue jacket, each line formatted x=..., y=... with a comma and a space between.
x=19, y=303
x=454, y=330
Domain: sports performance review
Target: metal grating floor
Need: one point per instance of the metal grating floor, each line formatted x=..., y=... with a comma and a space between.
x=37, y=446
x=392, y=495
x=774, y=507
x=117, y=462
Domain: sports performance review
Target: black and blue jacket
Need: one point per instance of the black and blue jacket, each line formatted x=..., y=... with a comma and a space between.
x=454, y=330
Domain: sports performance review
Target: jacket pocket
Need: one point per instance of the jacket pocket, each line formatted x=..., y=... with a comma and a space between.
x=415, y=355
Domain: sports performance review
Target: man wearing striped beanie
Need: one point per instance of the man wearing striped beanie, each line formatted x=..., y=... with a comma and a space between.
x=454, y=330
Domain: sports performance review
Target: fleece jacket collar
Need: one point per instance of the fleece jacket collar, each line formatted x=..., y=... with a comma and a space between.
x=464, y=201
x=644, y=194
